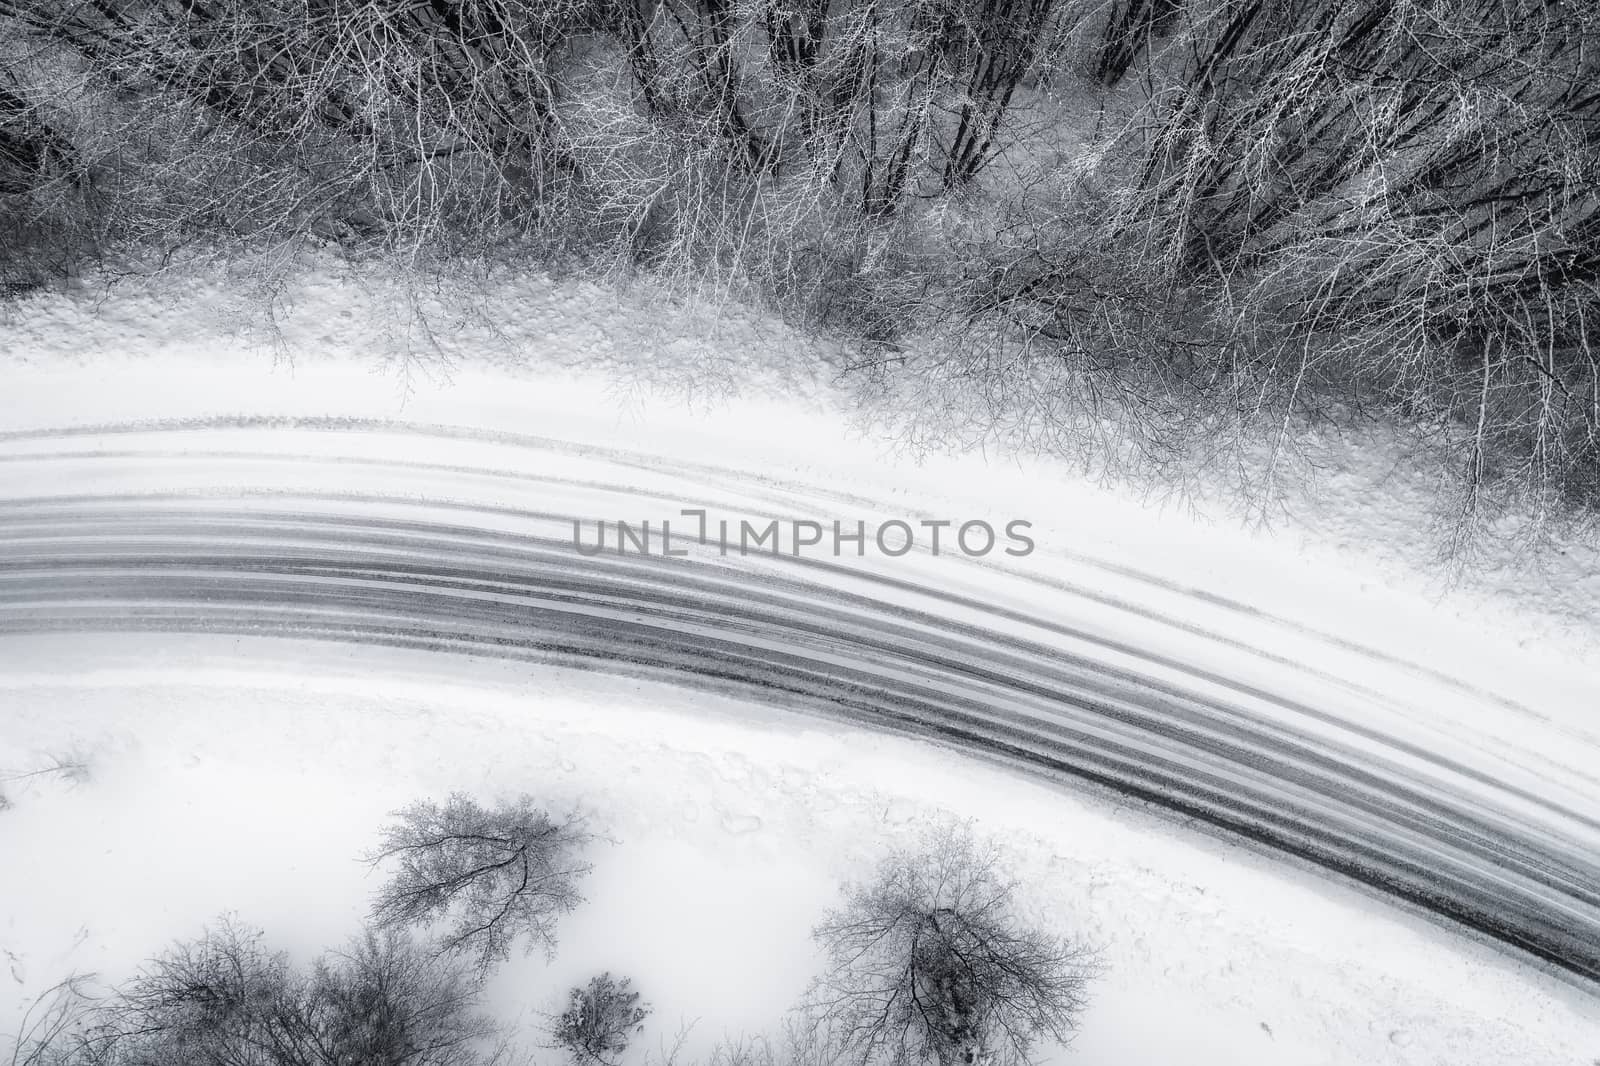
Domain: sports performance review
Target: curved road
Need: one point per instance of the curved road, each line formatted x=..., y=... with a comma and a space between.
x=448, y=540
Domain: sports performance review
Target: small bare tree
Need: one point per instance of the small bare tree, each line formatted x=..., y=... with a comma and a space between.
x=796, y=1043
x=599, y=1020
x=491, y=875
x=930, y=963
x=72, y=766
x=387, y=1000
x=224, y=998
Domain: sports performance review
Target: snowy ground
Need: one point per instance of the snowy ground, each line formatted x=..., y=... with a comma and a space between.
x=249, y=779
x=247, y=774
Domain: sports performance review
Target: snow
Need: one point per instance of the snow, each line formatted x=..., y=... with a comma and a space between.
x=232, y=774
x=226, y=777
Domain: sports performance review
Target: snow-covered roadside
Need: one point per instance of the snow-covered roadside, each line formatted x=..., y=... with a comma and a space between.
x=1353, y=553
x=249, y=778
x=1246, y=960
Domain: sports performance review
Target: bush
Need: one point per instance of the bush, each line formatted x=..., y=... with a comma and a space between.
x=73, y=765
x=931, y=963
x=488, y=875
x=72, y=768
x=224, y=998
x=795, y=1044
x=599, y=1020
x=385, y=1000
x=52, y=1022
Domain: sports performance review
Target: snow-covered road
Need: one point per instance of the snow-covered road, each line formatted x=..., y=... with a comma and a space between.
x=1437, y=789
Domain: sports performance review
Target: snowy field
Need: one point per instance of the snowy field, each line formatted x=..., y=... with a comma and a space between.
x=235, y=772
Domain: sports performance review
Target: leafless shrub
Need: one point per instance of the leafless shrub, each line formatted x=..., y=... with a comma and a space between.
x=224, y=998
x=385, y=1000
x=489, y=875
x=73, y=766
x=796, y=1043
x=931, y=963
x=50, y=1023
x=600, y=1020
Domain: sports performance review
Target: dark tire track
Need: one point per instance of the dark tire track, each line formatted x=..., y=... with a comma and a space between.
x=1030, y=689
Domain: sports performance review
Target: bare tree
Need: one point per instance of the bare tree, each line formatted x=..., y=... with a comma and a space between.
x=387, y=1002
x=796, y=1043
x=489, y=875
x=600, y=1019
x=50, y=1022
x=930, y=963
x=223, y=999
x=29, y=147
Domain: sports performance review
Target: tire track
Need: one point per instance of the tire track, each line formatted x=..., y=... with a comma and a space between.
x=162, y=536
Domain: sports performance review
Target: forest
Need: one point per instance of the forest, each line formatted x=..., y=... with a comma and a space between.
x=1191, y=221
